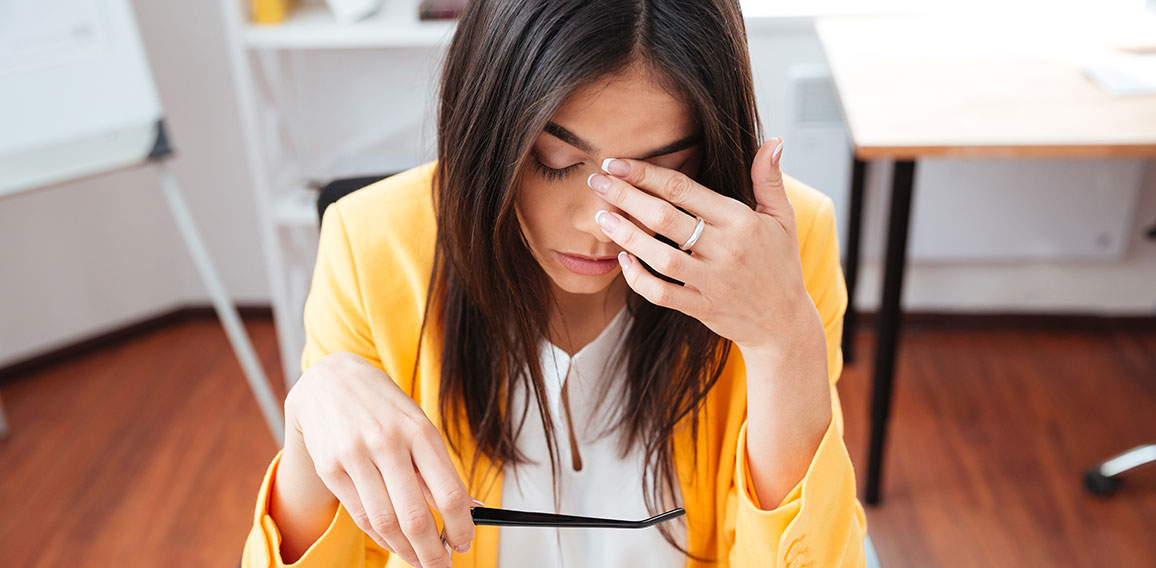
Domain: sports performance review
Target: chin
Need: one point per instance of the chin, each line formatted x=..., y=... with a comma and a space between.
x=579, y=284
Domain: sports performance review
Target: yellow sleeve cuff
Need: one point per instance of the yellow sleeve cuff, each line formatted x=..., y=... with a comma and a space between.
x=342, y=543
x=819, y=520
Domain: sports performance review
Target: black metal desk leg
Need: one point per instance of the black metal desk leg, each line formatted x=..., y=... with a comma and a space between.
x=851, y=264
x=890, y=320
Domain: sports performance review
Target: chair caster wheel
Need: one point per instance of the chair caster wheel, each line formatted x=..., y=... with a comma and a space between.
x=1100, y=484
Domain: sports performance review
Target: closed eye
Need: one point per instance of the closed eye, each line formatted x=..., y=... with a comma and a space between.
x=553, y=174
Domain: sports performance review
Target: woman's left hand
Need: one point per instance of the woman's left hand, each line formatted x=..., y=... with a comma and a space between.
x=744, y=279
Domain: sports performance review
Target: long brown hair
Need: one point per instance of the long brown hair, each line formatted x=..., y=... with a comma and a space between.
x=510, y=65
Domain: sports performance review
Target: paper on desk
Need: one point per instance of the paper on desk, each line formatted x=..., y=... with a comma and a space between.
x=36, y=34
x=1124, y=75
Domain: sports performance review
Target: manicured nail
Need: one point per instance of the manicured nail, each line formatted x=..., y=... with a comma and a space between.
x=616, y=167
x=777, y=153
x=598, y=182
x=624, y=260
x=478, y=503
x=606, y=220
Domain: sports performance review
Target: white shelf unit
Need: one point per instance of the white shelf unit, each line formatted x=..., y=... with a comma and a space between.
x=313, y=26
x=265, y=63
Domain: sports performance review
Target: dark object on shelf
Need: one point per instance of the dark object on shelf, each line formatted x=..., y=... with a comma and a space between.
x=339, y=188
x=441, y=9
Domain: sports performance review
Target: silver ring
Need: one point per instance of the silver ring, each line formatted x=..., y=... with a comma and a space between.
x=694, y=237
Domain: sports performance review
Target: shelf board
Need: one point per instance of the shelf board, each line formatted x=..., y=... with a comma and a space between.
x=313, y=26
x=296, y=208
x=396, y=24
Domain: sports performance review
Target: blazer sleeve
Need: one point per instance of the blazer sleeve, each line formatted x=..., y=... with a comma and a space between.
x=819, y=522
x=334, y=321
x=342, y=543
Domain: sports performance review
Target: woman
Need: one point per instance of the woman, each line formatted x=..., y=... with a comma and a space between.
x=603, y=299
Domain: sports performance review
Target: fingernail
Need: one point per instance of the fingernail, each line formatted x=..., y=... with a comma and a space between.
x=598, y=182
x=606, y=220
x=624, y=260
x=479, y=503
x=777, y=154
x=616, y=167
x=462, y=549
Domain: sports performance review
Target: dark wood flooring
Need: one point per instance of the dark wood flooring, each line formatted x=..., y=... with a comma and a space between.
x=150, y=452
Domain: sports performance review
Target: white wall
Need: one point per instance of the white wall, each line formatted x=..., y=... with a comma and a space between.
x=86, y=257
x=1124, y=286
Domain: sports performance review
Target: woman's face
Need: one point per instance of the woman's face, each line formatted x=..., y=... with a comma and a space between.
x=626, y=116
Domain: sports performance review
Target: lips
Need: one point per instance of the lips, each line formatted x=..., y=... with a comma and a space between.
x=587, y=266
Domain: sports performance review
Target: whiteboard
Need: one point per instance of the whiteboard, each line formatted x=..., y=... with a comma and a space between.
x=76, y=94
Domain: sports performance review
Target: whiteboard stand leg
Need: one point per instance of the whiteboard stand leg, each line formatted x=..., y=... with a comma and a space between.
x=226, y=311
x=3, y=422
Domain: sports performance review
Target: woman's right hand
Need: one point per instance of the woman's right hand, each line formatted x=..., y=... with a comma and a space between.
x=374, y=448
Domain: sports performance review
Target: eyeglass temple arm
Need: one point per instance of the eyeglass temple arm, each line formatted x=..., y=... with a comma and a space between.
x=511, y=518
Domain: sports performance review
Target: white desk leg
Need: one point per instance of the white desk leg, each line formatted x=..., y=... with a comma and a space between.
x=226, y=311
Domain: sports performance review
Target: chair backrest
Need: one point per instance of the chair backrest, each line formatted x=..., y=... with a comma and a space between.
x=339, y=188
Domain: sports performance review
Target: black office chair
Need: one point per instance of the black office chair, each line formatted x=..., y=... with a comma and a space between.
x=339, y=188
x=1105, y=477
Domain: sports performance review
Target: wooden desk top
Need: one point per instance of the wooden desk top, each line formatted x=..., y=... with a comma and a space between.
x=939, y=86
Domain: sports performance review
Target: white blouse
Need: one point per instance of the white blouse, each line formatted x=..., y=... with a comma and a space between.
x=607, y=486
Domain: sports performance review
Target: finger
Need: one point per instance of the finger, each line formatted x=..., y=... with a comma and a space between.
x=379, y=520
x=660, y=256
x=658, y=291
x=436, y=472
x=373, y=498
x=413, y=512
x=382, y=514
x=342, y=487
x=677, y=188
x=767, y=180
x=659, y=215
x=429, y=499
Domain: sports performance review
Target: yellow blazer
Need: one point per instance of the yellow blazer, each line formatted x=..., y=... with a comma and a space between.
x=367, y=297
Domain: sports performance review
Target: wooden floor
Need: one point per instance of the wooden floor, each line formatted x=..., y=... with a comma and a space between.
x=150, y=452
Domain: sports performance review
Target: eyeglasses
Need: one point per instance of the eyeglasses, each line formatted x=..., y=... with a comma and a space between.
x=510, y=518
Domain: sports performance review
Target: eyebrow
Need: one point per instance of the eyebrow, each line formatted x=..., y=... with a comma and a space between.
x=573, y=140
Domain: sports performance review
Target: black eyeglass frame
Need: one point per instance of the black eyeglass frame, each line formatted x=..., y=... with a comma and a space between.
x=488, y=516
